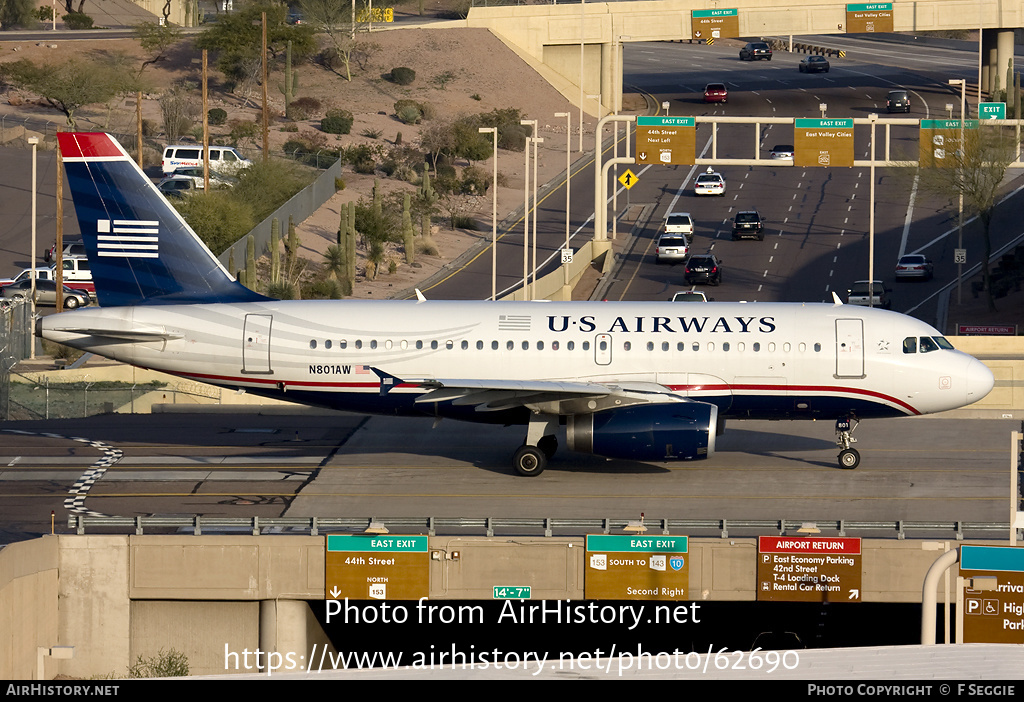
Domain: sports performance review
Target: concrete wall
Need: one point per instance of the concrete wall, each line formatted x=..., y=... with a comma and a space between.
x=116, y=598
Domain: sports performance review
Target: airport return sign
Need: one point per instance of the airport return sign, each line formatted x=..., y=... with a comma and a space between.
x=808, y=569
x=636, y=567
x=994, y=608
x=823, y=142
x=669, y=141
x=869, y=17
x=715, y=24
x=375, y=567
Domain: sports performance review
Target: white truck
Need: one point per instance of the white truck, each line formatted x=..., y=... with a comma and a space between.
x=77, y=275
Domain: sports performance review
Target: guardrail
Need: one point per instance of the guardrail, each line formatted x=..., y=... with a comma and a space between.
x=724, y=528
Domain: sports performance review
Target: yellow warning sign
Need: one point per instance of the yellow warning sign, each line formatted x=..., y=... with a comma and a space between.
x=628, y=179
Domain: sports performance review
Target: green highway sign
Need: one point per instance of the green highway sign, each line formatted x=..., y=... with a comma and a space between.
x=992, y=110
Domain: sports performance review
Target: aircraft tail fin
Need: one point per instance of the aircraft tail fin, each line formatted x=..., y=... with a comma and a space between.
x=141, y=251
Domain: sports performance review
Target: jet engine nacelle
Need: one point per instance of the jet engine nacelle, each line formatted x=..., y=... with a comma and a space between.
x=678, y=431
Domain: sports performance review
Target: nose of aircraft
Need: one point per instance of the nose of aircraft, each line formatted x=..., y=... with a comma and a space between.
x=980, y=380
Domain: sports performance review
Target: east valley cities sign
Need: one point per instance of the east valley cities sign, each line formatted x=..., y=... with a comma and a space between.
x=636, y=568
x=870, y=17
x=366, y=567
x=668, y=141
x=939, y=141
x=995, y=614
x=823, y=142
x=808, y=569
x=715, y=24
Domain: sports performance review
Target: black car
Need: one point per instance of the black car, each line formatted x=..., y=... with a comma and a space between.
x=748, y=224
x=755, y=51
x=814, y=64
x=897, y=101
x=705, y=268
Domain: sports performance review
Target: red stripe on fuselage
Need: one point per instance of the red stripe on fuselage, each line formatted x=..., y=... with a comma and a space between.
x=87, y=145
x=778, y=390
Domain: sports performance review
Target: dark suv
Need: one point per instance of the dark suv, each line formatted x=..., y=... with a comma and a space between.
x=705, y=268
x=755, y=51
x=748, y=224
x=897, y=101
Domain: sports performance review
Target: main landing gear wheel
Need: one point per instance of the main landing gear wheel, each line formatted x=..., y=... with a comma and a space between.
x=849, y=458
x=529, y=461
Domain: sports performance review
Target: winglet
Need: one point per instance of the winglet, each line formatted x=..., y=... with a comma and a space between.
x=419, y=296
x=835, y=298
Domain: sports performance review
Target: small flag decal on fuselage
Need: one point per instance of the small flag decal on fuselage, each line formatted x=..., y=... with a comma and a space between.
x=127, y=238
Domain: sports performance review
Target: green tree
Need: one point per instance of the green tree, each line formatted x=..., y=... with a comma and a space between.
x=976, y=171
x=18, y=13
x=156, y=40
x=67, y=86
x=217, y=217
x=237, y=38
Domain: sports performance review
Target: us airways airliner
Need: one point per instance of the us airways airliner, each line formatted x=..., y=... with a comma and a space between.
x=628, y=380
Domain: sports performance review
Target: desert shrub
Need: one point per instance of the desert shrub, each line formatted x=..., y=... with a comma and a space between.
x=150, y=128
x=512, y=140
x=269, y=184
x=218, y=217
x=337, y=122
x=77, y=20
x=331, y=59
x=402, y=75
x=465, y=222
x=410, y=114
x=165, y=664
x=475, y=181
x=426, y=246
x=305, y=107
x=217, y=116
x=242, y=131
x=323, y=289
x=469, y=143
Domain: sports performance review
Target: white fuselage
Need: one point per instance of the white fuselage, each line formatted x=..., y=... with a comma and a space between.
x=752, y=360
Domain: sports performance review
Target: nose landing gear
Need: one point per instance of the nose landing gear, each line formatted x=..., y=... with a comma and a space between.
x=849, y=457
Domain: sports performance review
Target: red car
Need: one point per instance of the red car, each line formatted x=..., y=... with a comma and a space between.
x=716, y=92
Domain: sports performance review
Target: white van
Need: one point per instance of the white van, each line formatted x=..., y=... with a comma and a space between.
x=225, y=159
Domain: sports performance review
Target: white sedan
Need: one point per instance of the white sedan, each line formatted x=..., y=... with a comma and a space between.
x=709, y=183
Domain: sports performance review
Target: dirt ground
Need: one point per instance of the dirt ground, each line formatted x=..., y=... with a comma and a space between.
x=458, y=72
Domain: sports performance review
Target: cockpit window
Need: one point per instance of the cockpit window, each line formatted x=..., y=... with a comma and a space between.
x=910, y=344
x=928, y=345
x=942, y=342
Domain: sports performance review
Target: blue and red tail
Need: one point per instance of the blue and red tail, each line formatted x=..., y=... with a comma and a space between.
x=140, y=249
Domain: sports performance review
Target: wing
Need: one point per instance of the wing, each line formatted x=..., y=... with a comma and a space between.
x=547, y=396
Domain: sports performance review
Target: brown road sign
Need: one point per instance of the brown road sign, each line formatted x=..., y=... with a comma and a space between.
x=808, y=569
x=636, y=567
x=371, y=567
x=668, y=141
x=715, y=24
x=870, y=17
x=993, y=594
x=939, y=141
x=823, y=142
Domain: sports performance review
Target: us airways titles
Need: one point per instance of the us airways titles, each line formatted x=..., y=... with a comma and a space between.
x=670, y=325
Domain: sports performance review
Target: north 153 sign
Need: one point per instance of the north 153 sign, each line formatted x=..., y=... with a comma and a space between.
x=371, y=567
x=636, y=568
x=715, y=24
x=666, y=140
x=808, y=569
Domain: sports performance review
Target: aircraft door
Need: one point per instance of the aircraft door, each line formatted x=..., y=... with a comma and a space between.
x=849, y=348
x=603, y=349
x=256, y=344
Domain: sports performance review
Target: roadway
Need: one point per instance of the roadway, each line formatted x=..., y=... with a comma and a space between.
x=343, y=465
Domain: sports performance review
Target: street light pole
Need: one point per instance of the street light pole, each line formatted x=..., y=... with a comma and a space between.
x=34, y=141
x=532, y=123
x=494, y=211
x=568, y=179
x=960, y=218
x=871, y=216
